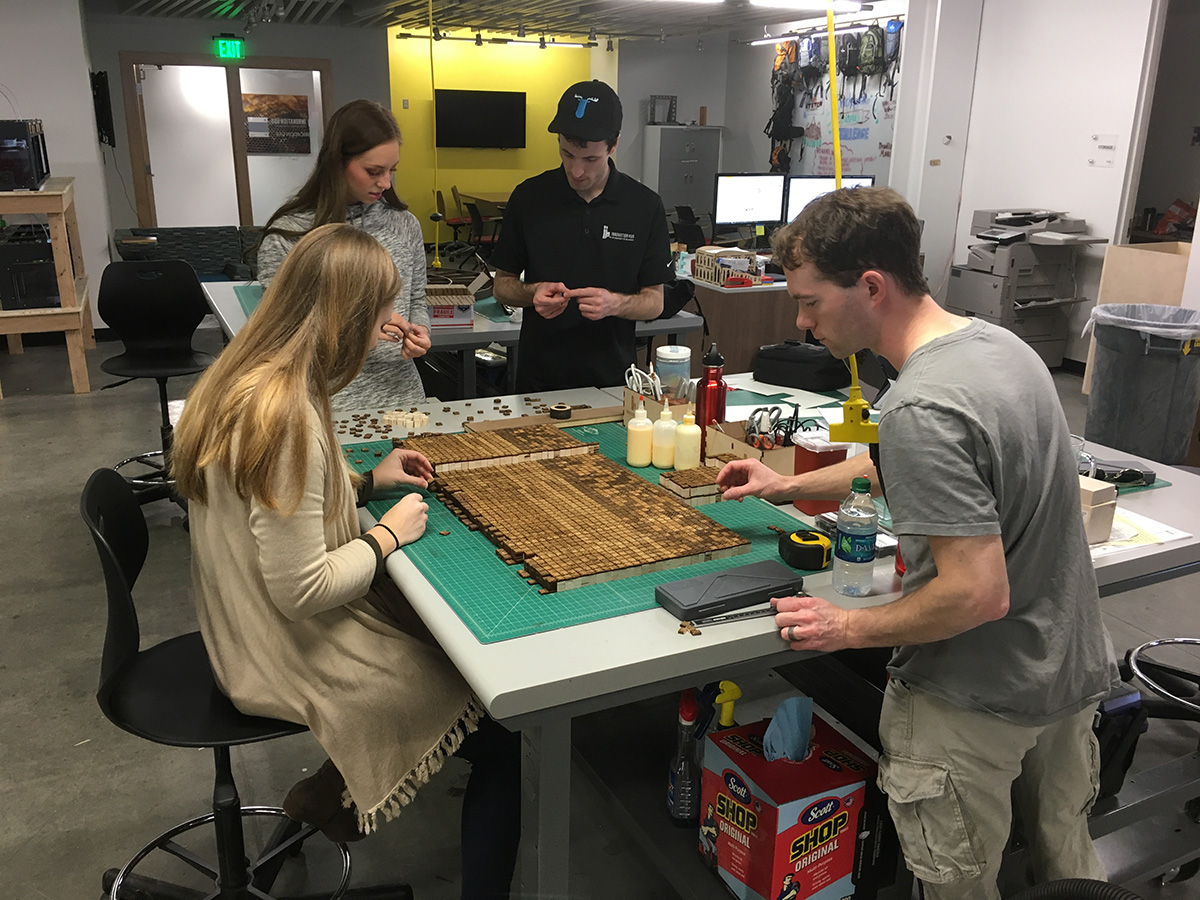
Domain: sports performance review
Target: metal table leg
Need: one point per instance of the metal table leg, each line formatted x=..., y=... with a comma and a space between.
x=545, y=809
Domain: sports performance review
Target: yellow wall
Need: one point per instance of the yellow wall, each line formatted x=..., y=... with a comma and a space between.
x=459, y=65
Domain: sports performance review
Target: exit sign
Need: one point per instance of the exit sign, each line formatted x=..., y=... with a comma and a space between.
x=229, y=47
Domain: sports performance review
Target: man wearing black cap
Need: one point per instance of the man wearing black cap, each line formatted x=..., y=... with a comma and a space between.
x=592, y=244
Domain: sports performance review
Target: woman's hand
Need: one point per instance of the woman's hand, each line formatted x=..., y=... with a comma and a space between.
x=402, y=467
x=395, y=329
x=416, y=342
x=407, y=518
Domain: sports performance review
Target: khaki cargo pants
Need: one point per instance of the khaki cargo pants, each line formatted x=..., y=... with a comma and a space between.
x=950, y=773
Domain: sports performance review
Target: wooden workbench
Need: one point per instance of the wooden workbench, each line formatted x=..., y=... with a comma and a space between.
x=56, y=201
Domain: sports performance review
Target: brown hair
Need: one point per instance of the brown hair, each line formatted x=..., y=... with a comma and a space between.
x=248, y=413
x=355, y=128
x=577, y=141
x=844, y=233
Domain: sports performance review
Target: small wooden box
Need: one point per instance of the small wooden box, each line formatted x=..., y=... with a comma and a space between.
x=707, y=268
x=653, y=407
x=450, y=304
x=731, y=439
x=1098, y=500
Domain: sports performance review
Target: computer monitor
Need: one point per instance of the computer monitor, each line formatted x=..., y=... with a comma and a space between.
x=804, y=188
x=743, y=199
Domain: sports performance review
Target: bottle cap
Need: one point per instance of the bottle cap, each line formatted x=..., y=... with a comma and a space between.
x=687, y=706
x=688, y=418
x=712, y=357
x=861, y=485
x=666, y=414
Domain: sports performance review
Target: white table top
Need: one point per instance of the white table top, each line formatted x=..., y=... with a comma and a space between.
x=526, y=681
x=228, y=310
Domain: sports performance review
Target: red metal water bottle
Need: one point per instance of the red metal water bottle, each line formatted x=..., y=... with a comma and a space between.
x=710, y=395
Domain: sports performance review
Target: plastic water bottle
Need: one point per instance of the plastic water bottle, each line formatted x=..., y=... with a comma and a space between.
x=683, y=783
x=854, y=549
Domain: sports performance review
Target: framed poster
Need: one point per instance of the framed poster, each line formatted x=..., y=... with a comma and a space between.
x=276, y=123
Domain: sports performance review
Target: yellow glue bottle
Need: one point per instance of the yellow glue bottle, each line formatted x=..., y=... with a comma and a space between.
x=639, y=437
x=687, y=443
x=663, y=455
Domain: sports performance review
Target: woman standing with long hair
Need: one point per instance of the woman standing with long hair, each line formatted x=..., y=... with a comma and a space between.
x=300, y=620
x=352, y=183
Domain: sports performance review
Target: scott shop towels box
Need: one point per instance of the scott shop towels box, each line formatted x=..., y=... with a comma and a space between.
x=781, y=828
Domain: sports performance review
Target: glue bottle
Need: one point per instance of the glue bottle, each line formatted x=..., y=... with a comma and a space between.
x=687, y=443
x=663, y=455
x=639, y=437
x=683, y=781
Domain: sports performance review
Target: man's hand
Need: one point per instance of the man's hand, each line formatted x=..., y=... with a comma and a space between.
x=394, y=329
x=810, y=623
x=550, y=299
x=402, y=467
x=751, y=478
x=597, y=303
x=416, y=342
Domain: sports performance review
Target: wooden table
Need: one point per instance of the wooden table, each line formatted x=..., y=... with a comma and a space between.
x=740, y=320
x=56, y=201
x=490, y=203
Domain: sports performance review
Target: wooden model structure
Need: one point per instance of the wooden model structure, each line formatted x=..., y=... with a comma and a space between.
x=570, y=516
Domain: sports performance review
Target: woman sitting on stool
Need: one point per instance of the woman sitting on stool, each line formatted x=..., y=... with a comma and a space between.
x=300, y=619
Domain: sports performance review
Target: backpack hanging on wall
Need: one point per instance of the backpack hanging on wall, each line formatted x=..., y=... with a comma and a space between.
x=847, y=61
x=871, y=58
x=891, y=55
x=785, y=75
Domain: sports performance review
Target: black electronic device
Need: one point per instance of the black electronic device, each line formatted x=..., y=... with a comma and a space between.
x=483, y=119
x=24, y=165
x=728, y=589
x=102, y=103
x=27, y=275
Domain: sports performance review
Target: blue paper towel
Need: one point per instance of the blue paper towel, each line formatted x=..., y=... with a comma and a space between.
x=787, y=735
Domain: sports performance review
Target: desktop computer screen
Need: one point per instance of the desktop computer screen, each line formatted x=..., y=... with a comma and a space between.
x=749, y=199
x=804, y=188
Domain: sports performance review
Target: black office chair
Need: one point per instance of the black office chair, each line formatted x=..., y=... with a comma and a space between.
x=154, y=306
x=690, y=234
x=686, y=215
x=167, y=694
x=479, y=237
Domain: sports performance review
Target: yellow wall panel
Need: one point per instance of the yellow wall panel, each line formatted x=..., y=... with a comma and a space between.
x=459, y=65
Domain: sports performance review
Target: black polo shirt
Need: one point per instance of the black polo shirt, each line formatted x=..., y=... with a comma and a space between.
x=618, y=242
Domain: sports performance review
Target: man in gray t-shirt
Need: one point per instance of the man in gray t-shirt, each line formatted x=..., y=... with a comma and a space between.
x=1001, y=652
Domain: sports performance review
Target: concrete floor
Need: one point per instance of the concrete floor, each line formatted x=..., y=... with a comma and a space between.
x=81, y=796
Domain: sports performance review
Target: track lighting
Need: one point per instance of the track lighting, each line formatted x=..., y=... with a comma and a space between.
x=437, y=33
x=521, y=30
x=609, y=48
x=542, y=42
x=592, y=34
x=478, y=39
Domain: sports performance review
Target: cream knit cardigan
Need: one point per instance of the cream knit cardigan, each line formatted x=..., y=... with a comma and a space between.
x=282, y=608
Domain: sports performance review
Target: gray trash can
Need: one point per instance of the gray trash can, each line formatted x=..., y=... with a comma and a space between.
x=1145, y=379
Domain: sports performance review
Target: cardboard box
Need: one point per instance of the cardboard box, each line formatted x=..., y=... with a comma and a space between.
x=450, y=304
x=653, y=407
x=730, y=438
x=1140, y=273
x=782, y=825
x=1098, y=500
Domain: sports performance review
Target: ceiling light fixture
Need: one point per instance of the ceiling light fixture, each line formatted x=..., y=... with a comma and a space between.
x=521, y=30
x=609, y=48
x=542, y=42
x=437, y=33
x=478, y=39
x=699, y=43
x=592, y=34
x=662, y=36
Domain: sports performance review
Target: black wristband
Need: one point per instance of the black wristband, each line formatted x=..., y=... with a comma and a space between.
x=392, y=533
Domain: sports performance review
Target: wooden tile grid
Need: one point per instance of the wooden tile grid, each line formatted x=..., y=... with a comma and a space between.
x=453, y=452
x=580, y=520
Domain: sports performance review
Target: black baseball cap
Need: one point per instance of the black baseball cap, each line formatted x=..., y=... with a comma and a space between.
x=589, y=110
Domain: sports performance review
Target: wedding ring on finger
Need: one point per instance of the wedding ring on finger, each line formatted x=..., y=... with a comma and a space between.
x=791, y=633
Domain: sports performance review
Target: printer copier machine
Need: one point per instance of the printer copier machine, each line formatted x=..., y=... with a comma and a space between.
x=1021, y=275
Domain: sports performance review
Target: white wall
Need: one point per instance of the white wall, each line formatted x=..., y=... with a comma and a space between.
x=44, y=66
x=1171, y=168
x=1038, y=100
x=697, y=77
x=274, y=177
x=359, y=58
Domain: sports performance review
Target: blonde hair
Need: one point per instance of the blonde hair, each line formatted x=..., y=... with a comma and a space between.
x=309, y=337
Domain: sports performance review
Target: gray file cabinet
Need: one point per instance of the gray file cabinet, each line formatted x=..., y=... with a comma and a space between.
x=680, y=163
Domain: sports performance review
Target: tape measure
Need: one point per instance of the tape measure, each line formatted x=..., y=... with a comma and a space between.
x=809, y=550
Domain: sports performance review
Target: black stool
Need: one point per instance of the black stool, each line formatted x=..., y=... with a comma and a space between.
x=167, y=694
x=154, y=306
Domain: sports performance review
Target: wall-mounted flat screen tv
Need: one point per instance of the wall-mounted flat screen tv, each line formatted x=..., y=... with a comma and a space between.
x=494, y=119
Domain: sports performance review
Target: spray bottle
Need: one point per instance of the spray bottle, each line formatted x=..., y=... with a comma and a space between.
x=683, y=783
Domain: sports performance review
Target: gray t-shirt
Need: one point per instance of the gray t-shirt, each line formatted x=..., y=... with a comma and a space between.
x=973, y=441
x=387, y=380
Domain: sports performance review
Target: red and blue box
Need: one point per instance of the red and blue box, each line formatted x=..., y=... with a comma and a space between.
x=789, y=829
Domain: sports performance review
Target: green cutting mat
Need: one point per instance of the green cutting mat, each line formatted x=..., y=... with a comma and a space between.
x=1123, y=489
x=248, y=296
x=497, y=604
